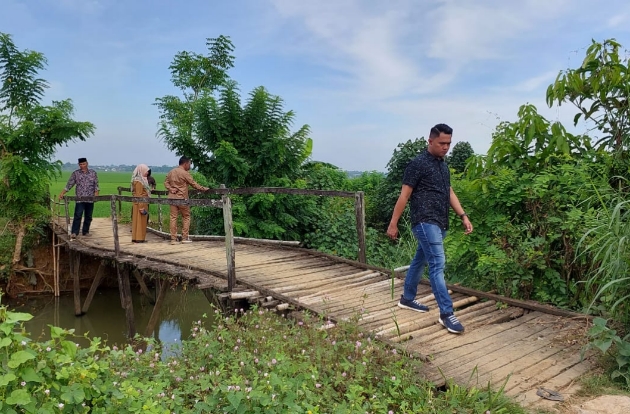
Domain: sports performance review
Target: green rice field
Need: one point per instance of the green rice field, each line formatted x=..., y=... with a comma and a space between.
x=108, y=183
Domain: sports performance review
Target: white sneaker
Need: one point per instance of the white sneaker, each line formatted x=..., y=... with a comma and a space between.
x=186, y=241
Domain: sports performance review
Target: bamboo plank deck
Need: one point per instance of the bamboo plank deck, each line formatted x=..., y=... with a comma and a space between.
x=504, y=346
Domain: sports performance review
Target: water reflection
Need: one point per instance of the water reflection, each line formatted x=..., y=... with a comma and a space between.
x=106, y=318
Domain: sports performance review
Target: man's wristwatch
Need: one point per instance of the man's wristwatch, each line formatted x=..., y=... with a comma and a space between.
x=461, y=216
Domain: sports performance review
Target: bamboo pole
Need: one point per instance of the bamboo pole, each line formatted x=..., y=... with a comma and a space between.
x=229, y=242
x=67, y=215
x=120, y=190
x=244, y=295
x=54, y=258
x=115, y=227
x=58, y=268
x=197, y=237
x=359, y=209
x=159, y=214
x=55, y=276
x=76, y=284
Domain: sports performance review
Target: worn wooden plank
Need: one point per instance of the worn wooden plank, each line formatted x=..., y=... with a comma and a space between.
x=558, y=382
x=544, y=371
x=503, y=351
x=537, y=363
x=306, y=282
x=405, y=316
x=344, y=284
x=470, y=338
x=371, y=297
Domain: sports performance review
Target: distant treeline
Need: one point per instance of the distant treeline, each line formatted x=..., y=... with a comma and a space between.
x=154, y=169
x=122, y=167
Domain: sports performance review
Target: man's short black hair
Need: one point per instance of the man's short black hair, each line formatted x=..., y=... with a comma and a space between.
x=183, y=160
x=440, y=129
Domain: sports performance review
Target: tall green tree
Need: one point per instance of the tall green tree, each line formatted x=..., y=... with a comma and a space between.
x=30, y=133
x=230, y=142
x=236, y=143
x=461, y=152
x=197, y=77
x=249, y=144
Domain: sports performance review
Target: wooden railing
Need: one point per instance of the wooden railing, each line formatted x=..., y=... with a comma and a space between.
x=359, y=203
x=123, y=281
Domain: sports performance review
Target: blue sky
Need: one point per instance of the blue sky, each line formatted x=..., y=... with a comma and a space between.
x=364, y=74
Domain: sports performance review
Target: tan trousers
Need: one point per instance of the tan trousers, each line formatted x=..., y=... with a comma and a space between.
x=185, y=211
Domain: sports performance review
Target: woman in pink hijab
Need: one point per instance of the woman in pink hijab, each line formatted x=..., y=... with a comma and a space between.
x=140, y=211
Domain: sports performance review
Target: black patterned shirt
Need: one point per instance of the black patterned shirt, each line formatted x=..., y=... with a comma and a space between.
x=86, y=182
x=431, y=182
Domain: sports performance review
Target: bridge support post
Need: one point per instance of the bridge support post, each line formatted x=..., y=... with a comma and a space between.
x=123, y=279
x=155, y=314
x=97, y=281
x=75, y=263
x=359, y=210
x=229, y=242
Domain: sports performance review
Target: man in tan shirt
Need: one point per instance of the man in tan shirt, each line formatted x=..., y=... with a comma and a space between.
x=176, y=183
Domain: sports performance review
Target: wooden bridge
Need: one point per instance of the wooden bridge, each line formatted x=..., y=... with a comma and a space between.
x=522, y=346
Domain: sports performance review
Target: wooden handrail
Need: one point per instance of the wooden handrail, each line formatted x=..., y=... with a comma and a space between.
x=262, y=190
x=202, y=202
x=359, y=202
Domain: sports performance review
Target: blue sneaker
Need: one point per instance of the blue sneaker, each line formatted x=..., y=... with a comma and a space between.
x=451, y=323
x=412, y=304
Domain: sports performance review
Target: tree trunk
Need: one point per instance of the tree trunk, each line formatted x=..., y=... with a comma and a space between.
x=17, y=253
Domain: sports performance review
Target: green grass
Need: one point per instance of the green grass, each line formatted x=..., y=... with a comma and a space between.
x=108, y=183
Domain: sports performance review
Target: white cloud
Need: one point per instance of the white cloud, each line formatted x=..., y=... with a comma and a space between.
x=408, y=48
x=480, y=30
x=349, y=38
x=536, y=83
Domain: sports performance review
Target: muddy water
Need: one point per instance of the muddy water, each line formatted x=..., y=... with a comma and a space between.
x=106, y=318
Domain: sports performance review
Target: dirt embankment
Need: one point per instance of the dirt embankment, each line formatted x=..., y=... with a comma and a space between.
x=35, y=275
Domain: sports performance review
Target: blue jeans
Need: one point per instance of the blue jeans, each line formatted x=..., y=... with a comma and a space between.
x=430, y=250
x=79, y=209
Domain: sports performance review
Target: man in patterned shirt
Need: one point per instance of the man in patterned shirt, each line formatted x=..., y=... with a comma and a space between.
x=427, y=183
x=86, y=181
